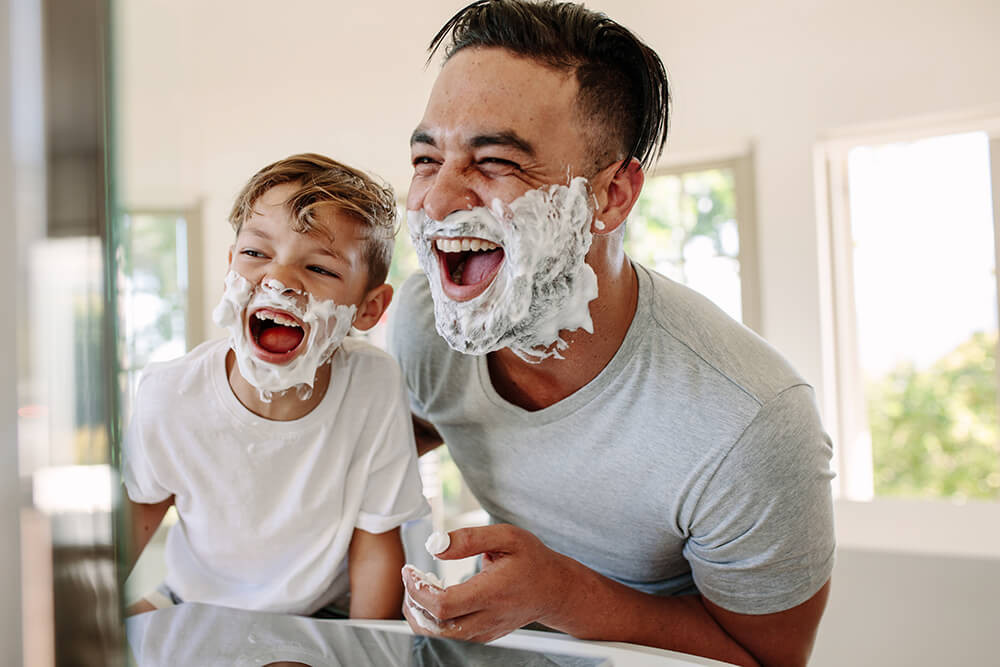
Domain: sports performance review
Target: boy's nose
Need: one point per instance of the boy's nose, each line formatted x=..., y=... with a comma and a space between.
x=283, y=278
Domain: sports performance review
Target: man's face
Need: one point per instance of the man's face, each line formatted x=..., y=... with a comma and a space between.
x=498, y=131
x=496, y=126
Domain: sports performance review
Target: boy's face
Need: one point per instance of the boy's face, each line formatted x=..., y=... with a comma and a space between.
x=326, y=263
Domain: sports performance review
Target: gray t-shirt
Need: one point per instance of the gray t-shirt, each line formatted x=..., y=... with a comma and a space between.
x=695, y=457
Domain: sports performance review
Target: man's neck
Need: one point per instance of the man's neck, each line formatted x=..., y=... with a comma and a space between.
x=283, y=406
x=534, y=386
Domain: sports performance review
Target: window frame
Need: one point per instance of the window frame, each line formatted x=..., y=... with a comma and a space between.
x=741, y=164
x=863, y=520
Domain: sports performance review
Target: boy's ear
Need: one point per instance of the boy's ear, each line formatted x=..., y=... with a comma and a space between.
x=616, y=192
x=372, y=307
x=231, y=248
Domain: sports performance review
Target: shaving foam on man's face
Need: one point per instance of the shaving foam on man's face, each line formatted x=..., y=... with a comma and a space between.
x=280, y=343
x=530, y=252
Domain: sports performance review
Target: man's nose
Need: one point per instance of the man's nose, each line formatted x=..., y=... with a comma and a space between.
x=450, y=191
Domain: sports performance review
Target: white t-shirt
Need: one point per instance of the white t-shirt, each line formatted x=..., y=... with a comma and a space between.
x=267, y=508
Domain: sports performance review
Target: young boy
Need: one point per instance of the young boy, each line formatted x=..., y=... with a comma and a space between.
x=286, y=449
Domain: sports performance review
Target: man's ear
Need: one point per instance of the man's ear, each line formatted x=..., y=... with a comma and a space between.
x=616, y=191
x=371, y=308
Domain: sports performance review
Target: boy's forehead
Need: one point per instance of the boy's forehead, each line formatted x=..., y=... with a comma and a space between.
x=328, y=223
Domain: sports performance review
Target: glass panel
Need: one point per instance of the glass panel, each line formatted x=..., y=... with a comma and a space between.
x=926, y=304
x=684, y=226
x=65, y=369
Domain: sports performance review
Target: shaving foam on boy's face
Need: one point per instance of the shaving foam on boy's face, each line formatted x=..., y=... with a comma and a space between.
x=521, y=265
x=280, y=336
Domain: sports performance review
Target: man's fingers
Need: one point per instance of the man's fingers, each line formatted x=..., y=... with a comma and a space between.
x=466, y=542
x=449, y=603
x=480, y=626
x=423, y=586
x=421, y=620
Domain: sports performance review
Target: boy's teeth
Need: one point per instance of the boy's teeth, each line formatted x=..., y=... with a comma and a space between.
x=464, y=245
x=277, y=317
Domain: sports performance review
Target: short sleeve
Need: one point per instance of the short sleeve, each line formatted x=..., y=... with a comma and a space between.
x=139, y=453
x=393, y=492
x=762, y=537
x=410, y=337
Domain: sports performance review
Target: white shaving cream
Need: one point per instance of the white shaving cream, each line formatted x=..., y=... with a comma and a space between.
x=544, y=285
x=420, y=614
x=437, y=542
x=327, y=324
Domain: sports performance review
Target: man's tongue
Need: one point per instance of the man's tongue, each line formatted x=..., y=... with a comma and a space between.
x=478, y=265
x=279, y=339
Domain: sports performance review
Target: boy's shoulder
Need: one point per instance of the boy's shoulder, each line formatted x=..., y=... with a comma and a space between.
x=364, y=356
x=197, y=364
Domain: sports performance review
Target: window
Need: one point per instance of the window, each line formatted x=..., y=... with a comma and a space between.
x=909, y=213
x=694, y=225
x=152, y=284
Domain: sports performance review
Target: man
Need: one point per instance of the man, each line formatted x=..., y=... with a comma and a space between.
x=655, y=473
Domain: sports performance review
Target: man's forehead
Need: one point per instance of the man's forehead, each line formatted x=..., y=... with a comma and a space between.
x=490, y=91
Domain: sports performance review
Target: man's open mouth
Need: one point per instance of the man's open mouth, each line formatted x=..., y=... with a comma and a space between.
x=468, y=265
x=275, y=333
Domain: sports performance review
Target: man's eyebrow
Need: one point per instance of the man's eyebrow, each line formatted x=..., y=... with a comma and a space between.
x=420, y=136
x=506, y=138
x=503, y=138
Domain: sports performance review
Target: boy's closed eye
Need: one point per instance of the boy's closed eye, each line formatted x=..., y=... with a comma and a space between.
x=250, y=252
x=323, y=272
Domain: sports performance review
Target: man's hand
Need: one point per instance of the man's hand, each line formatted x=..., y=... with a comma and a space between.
x=521, y=581
x=524, y=581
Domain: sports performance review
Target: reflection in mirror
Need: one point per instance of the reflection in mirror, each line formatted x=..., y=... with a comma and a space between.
x=201, y=634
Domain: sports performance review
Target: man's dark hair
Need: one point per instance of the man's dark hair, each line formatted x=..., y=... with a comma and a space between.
x=623, y=85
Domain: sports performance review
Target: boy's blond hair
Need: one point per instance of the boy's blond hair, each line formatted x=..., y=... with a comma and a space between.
x=324, y=182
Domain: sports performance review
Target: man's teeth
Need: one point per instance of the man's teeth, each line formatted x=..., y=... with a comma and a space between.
x=276, y=317
x=464, y=245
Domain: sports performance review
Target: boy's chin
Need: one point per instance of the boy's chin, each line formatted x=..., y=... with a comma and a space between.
x=277, y=358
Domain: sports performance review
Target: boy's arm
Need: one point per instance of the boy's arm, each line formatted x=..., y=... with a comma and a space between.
x=374, y=561
x=144, y=519
x=426, y=435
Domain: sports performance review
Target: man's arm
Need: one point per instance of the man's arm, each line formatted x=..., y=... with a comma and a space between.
x=426, y=436
x=374, y=561
x=523, y=581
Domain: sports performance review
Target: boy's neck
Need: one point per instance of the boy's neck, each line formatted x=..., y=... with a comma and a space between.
x=285, y=406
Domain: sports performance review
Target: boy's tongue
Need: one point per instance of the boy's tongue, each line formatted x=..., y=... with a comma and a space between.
x=279, y=339
x=479, y=264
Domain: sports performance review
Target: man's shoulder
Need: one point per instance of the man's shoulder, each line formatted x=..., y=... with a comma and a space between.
x=716, y=341
x=415, y=296
x=411, y=323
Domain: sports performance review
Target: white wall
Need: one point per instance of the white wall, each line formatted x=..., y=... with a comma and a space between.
x=895, y=609
x=209, y=92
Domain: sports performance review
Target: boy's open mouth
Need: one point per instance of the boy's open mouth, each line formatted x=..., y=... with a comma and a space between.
x=276, y=333
x=468, y=265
